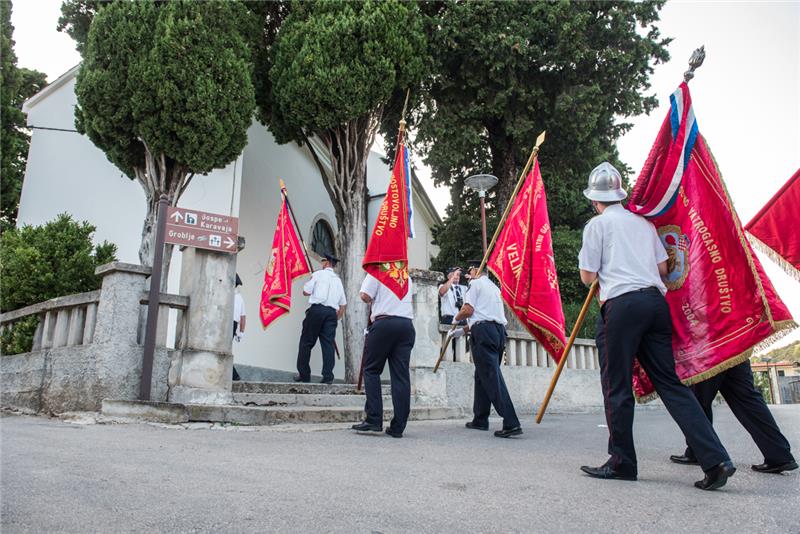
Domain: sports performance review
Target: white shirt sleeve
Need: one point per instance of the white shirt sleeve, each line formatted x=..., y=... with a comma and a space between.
x=660, y=252
x=370, y=286
x=591, y=254
x=472, y=295
x=308, y=287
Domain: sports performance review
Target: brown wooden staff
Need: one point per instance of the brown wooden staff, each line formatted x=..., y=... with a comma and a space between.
x=565, y=352
x=520, y=181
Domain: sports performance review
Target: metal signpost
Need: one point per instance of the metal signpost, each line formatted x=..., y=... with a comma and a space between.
x=186, y=227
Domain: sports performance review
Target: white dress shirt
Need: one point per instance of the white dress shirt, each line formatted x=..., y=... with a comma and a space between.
x=238, y=307
x=325, y=288
x=384, y=301
x=624, y=250
x=449, y=299
x=485, y=299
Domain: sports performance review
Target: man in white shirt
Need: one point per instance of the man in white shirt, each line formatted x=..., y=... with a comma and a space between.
x=451, y=295
x=483, y=309
x=239, y=317
x=326, y=296
x=390, y=339
x=623, y=250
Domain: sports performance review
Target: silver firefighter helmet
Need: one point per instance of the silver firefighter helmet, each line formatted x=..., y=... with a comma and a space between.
x=605, y=184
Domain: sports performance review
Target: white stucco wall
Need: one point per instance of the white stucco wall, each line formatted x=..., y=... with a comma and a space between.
x=67, y=173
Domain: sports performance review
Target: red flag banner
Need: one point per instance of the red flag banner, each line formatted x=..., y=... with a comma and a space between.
x=721, y=302
x=774, y=229
x=523, y=261
x=287, y=262
x=387, y=253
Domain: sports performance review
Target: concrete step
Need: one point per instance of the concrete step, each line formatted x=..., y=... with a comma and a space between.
x=299, y=388
x=272, y=415
x=306, y=399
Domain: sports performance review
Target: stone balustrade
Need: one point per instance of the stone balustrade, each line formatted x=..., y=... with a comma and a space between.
x=62, y=322
x=522, y=350
x=88, y=346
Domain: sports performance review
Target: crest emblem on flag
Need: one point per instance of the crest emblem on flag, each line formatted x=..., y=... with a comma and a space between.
x=677, y=246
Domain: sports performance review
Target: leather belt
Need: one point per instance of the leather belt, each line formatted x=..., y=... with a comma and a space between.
x=379, y=317
x=476, y=323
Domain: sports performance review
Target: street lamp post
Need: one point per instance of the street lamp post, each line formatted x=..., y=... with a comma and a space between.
x=482, y=183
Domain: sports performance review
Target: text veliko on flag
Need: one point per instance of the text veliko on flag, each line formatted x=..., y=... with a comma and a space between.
x=523, y=262
x=286, y=263
x=387, y=252
x=721, y=302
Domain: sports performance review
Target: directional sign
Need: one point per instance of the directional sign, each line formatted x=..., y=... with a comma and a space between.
x=201, y=229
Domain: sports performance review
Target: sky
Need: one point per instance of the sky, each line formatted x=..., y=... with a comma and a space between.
x=746, y=95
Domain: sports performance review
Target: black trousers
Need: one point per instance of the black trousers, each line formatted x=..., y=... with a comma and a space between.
x=389, y=340
x=488, y=342
x=747, y=404
x=320, y=322
x=638, y=324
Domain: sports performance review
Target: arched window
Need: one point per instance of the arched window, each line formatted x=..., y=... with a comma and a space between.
x=322, y=238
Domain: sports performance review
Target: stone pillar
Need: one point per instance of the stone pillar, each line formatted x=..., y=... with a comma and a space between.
x=114, y=347
x=428, y=388
x=202, y=372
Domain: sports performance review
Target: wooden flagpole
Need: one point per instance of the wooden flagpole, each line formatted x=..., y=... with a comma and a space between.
x=303, y=242
x=565, y=352
x=400, y=136
x=520, y=181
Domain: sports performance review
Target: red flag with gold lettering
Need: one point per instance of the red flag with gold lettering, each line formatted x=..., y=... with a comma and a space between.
x=523, y=261
x=387, y=253
x=721, y=302
x=287, y=263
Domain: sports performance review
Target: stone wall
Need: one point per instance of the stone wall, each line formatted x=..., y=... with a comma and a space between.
x=81, y=372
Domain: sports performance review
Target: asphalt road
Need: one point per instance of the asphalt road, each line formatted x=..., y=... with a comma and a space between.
x=64, y=477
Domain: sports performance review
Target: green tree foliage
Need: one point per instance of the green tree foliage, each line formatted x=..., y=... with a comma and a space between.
x=323, y=81
x=761, y=381
x=76, y=19
x=165, y=90
x=504, y=72
x=789, y=353
x=38, y=263
x=16, y=86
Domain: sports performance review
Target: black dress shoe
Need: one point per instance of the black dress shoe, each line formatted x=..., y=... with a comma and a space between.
x=508, y=432
x=298, y=378
x=606, y=472
x=474, y=426
x=716, y=477
x=366, y=427
x=774, y=468
x=393, y=433
x=683, y=459
x=323, y=381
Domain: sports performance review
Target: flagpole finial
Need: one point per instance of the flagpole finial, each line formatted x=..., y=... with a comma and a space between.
x=698, y=56
x=283, y=185
x=402, y=125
